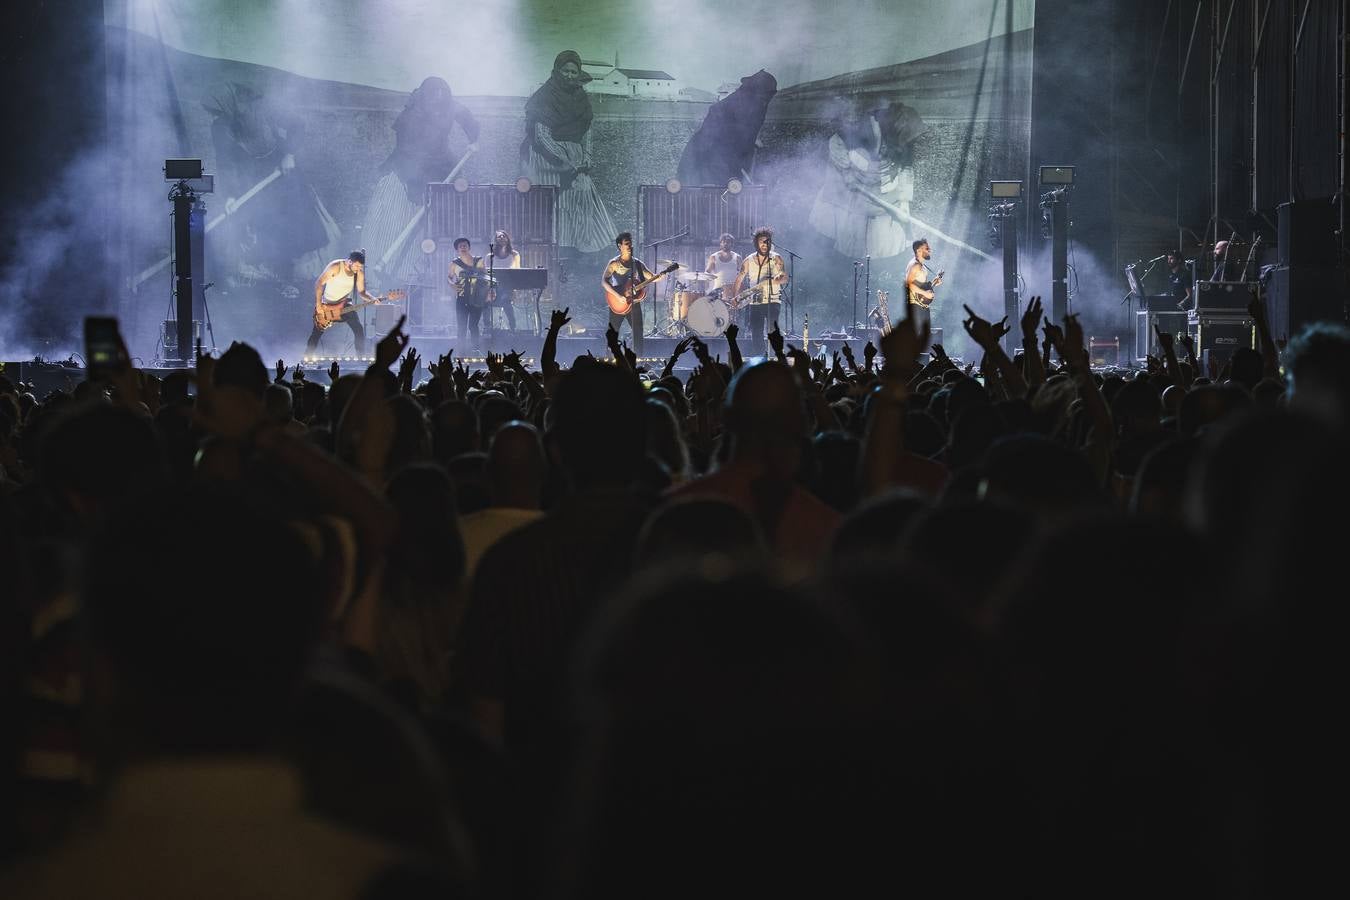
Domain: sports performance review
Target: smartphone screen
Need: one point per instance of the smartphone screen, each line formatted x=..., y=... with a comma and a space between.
x=102, y=347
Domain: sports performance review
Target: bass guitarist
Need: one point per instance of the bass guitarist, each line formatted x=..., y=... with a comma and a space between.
x=625, y=281
x=340, y=281
x=919, y=282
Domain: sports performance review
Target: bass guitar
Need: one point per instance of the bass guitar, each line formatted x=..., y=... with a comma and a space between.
x=621, y=299
x=327, y=314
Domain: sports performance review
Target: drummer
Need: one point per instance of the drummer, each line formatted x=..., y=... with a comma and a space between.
x=723, y=264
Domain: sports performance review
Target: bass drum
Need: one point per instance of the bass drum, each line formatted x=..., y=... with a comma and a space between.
x=707, y=317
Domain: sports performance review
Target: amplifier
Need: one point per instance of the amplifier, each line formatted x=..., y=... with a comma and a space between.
x=1225, y=295
x=1217, y=335
x=1104, y=351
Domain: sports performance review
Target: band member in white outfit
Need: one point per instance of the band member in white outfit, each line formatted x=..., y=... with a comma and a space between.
x=763, y=270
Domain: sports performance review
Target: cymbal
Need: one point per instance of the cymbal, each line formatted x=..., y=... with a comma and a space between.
x=698, y=276
x=670, y=262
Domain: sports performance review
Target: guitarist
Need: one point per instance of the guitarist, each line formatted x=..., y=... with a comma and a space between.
x=764, y=272
x=469, y=278
x=622, y=277
x=919, y=282
x=340, y=281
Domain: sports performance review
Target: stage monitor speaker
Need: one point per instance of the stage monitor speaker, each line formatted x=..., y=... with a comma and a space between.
x=1307, y=233
x=1297, y=296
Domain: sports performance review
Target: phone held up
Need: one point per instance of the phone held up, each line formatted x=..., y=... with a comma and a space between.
x=104, y=352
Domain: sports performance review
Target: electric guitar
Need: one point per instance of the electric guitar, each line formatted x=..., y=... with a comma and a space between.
x=621, y=300
x=327, y=314
x=924, y=297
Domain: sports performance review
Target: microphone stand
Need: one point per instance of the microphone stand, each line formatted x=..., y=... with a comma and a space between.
x=792, y=284
x=867, y=282
x=492, y=283
x=853, y=323
x=654, y=244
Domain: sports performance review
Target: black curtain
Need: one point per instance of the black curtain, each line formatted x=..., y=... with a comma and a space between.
x=1272, y=109
x=1315, y=138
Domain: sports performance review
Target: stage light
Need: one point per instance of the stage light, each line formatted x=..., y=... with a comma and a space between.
x=1005, y=190
x=461, y=184
x=428, y=245
x=1057, y=175
x=673, y=186
x=523, y=184
x=182, y=169
x=734, y=186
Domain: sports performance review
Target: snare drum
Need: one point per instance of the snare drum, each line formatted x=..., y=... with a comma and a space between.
x=707, y=317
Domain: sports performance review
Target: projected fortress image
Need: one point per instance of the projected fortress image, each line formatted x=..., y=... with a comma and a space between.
x=672, y=449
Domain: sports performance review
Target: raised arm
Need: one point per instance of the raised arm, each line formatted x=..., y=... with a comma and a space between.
x=987, y=336
x=1270, y=356
x=549, y=354
x=1031, y=320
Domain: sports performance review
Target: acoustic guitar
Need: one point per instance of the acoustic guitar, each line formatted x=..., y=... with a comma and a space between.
x=621, y=299
x=327, y=314
x=924, y=298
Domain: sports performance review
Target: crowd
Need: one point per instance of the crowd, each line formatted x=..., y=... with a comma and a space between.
x=895, y=626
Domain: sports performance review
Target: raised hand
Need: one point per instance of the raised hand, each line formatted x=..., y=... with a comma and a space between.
x=940, y=354
x=869, y=353
x=1055, y=335
x=731, y=332
x=494, y=365
x=980, y=330
x=512, y=361
x=611, y=338
x=776, y=341
x=333, y=372
x=1164, y=338
x=281, y=370
x=701, y=351
x=1187, y=342
x=559, y=318
x=392, y=344
x=1074, y=351
x=1001, y=327
x=1031, y=319
x=408, y=367
x=298, y=374
x=903, y=343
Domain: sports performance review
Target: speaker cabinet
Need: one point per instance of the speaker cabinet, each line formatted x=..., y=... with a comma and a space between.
x=1218, y=335
x=1297, y=296
x=1307, y=233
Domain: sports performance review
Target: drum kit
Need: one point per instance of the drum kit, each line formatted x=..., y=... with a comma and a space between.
x=697, y=307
